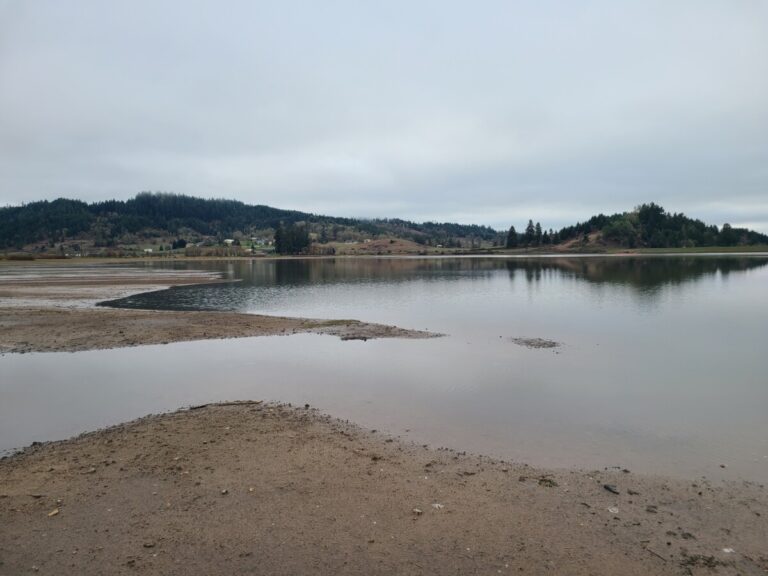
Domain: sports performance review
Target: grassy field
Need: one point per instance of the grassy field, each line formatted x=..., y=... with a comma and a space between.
x=701, y=250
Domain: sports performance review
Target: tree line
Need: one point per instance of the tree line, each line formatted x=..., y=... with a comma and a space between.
x=648, y=226
x=165, y=214
x=532, y=236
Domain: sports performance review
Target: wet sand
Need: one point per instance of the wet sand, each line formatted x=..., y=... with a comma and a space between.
x=25, y=330
x=265, y=489
x=54, y=310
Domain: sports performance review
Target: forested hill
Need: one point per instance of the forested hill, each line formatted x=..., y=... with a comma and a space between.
x=152, y=218
x=650, y=226
x=110, y=221
x=116, y=222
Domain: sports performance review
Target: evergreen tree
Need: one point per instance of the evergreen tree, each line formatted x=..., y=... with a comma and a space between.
x=530, y=233
x=538, y=234
x=512, y=237
x=292, y=239
x=280, y=240
x=728, y=237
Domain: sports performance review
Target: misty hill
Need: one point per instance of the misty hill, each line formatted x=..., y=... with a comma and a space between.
x=160, y=215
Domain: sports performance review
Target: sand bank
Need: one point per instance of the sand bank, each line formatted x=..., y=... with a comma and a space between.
x=265, y=489
x=53, y=309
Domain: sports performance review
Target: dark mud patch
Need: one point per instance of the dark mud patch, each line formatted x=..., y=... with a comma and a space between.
x=536, y=343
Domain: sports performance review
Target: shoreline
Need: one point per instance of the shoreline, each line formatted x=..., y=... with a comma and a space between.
x=756, y=251
x=26, y=330
x=274, y=489
x=249, y=487
x=61, y=313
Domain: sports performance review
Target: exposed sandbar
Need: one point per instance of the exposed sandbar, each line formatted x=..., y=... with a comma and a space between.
x=54, y=310
x=263, y=489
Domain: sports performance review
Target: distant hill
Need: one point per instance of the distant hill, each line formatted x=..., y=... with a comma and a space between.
x=650, y=226
x=160, y=215
x=150, y=219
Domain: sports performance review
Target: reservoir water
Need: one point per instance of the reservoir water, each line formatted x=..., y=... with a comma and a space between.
x=662, y=367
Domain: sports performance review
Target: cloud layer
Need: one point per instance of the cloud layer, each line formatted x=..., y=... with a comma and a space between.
x=489, y=112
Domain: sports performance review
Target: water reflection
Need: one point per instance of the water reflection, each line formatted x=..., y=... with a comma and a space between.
x=662, y=366
x=645, y=276
x=639, y=273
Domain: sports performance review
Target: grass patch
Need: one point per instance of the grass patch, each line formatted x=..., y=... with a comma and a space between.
x=700, y=250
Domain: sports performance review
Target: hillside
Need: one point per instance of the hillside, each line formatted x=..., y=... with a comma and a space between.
x=158, y=218
x=650, y=226
x=158, y=222
x=146, y=216
x=647, y=226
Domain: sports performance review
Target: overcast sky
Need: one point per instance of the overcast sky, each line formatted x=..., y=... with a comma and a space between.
x=485, y=112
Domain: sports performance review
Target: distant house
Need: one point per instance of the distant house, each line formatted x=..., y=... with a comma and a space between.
x=229, y=241
x=147, y=250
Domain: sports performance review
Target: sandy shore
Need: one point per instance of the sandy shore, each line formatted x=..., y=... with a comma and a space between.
x=265, y=489
x=260, y=489
x=56, y=330
x=53, y=309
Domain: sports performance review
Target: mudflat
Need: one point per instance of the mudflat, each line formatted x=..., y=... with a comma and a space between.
x=56, y=330
x=251, y=488
x=54, y=310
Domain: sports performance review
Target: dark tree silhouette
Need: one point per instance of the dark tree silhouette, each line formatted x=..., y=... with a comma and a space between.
x=292, y=239
x=512, y=237
x=530, y=233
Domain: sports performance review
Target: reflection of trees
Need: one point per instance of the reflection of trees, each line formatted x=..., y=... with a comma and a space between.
x=641, y=273
x=348, y=270
x=296, y=272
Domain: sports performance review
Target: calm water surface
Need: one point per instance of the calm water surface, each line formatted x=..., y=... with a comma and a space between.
x=662, y=367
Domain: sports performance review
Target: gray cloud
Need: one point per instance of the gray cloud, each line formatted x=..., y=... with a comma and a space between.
x=489, y=113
